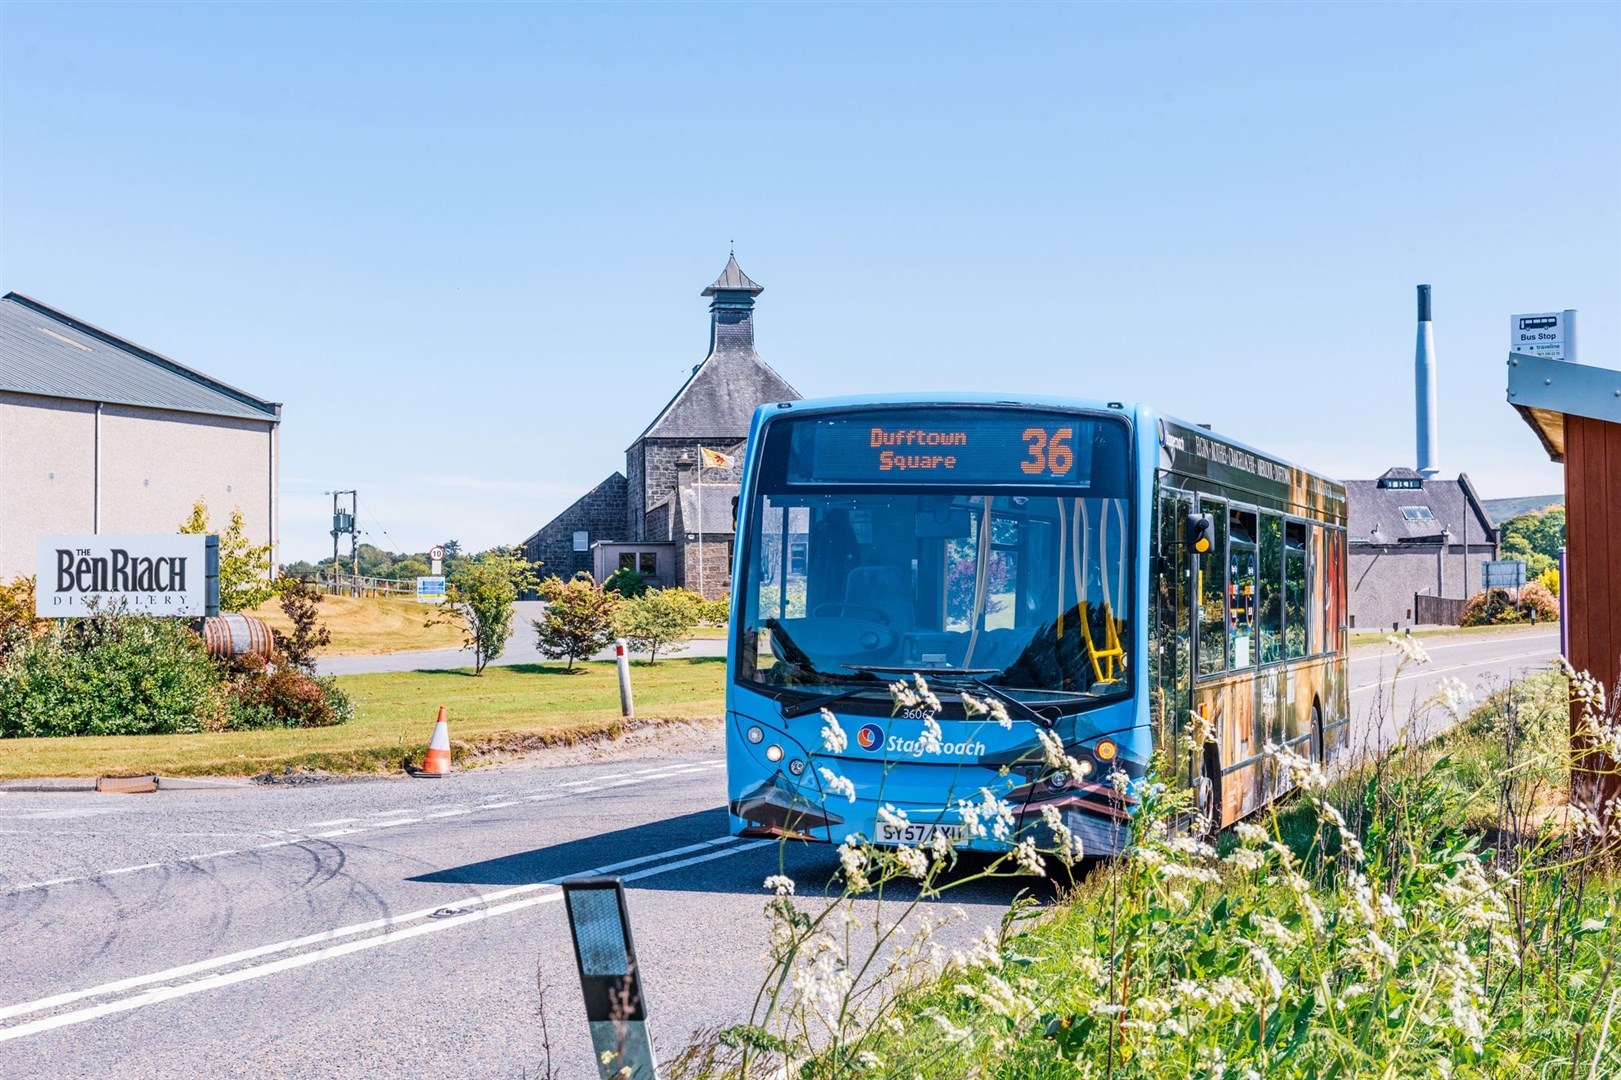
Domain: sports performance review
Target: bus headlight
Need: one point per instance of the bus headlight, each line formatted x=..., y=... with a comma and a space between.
x=755, y=734
x=773, y=753
x=1105, y=751
x=797, y=766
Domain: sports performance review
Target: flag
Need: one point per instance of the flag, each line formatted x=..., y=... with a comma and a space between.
x=714, y=459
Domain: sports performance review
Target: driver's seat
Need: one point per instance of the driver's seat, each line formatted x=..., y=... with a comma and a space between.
x=883, y=588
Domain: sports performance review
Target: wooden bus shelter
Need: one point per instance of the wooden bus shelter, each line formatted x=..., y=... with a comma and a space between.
x=1575, y=410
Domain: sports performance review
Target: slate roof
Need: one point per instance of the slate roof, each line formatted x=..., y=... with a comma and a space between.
x=1450, y=502
x=48, y=353
x=733, y=279
x=719, y=397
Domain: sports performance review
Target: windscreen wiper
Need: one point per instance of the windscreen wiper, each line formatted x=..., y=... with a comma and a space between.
x=971, y=675
x=816, y=704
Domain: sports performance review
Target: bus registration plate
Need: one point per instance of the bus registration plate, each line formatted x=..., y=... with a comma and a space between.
x=915, y=833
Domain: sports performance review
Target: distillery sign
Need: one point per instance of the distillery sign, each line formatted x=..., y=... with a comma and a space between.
x=77, y=576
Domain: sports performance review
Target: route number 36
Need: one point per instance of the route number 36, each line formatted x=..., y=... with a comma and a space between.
x=1049, y=452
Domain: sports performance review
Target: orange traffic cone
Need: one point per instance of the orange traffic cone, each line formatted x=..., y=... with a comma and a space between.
x=437, y=761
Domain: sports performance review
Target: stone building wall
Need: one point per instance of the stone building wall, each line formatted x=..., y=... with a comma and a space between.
x=600, y=513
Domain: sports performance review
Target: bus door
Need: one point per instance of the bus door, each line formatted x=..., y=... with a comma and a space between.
x=1170, y=633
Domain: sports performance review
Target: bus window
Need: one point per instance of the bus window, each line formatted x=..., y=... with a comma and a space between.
x=1213, y=594
x=1316, y=639
x=1240, y=589
x=1269, y=591
x=1294, y=589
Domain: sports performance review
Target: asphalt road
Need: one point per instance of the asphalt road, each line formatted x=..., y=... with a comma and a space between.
x=402, y=927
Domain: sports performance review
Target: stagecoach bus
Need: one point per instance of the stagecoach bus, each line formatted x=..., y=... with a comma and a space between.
x=1105, y=573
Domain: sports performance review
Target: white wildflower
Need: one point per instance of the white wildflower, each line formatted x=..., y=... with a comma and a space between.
x=853, y=858
x=1276, y=931
x=1067, y=843
x=838, y=785
x=1026, y=855
x=925, y=696
x=834, y=739
x=893, y=818
x=1250, y=834
x=781, y=884
x=1120, y=781
x=913, y=861
x=950, y=1032
x=1454, y=696
x=869, y=1060
x=933, y=739
x=1409, y=648
x=1269, y=970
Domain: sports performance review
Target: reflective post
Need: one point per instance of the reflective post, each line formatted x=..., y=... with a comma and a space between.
x=599, y=923
x=1564, y=607
x=621, y=654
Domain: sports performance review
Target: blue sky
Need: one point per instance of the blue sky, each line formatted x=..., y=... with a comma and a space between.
x=464, y=244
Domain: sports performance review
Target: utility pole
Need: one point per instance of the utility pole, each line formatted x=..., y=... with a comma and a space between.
x=343, y=521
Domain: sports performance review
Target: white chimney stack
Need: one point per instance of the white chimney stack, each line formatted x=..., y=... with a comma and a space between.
x=1424, y=378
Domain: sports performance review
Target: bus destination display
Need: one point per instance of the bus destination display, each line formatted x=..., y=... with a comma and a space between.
x=944, y=446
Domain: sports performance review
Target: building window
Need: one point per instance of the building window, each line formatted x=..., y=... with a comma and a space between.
x=650, y=564
x=627, y=561
x=582, y=540
x=1417, y=513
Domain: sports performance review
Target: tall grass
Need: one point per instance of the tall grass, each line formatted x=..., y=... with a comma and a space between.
x=1440, y=912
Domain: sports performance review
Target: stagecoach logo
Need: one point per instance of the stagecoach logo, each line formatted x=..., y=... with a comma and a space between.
x=871, y=736
x=150, y=575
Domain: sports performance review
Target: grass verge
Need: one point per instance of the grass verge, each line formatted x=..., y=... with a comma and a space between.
x=1377, y=637
x=369, y=626
x=507, y=709
x=1437, y=913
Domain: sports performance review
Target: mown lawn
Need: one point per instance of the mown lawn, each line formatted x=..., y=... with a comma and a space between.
x=518, y=707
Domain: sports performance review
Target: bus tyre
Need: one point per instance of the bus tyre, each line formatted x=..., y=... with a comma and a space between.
x=1317, y=747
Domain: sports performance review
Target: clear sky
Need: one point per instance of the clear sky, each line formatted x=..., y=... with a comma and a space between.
x=464, y=244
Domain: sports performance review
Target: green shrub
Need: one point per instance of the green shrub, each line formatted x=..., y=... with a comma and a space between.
x=579, y=618
x=115, y=675
x=281, y=697
x=17, y=620
x=626, y=582
x=717, y=611
x=1494, y=607
x=659, y=619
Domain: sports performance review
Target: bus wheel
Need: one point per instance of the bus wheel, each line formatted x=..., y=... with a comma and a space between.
x=1207, y=791
x=1317, y=735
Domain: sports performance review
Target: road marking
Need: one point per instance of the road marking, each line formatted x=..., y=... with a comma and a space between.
x=356, y=825
x=1423, y=672
x=718, y=848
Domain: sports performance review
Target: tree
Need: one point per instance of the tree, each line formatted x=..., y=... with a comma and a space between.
x=301, y=603
x=245, y=567
x=579, y=618
x=659, y=619
x=626, y=582
x=479, y=596
x=1534, y=538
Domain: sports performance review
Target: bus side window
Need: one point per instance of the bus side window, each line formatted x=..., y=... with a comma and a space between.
x=1241, y=529
x=1269, y=590
x=1213, y=593
x=1294, y=589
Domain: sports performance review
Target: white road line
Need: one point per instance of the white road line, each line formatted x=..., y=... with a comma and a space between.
x=446, y=813
x=726, y=846
x=334, y=821
x=132, y=869
x=499, y=805
x=1422, y=672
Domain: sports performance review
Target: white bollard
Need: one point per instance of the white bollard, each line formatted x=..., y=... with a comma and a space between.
x=622, y=655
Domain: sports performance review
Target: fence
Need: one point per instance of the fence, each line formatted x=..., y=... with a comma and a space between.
x=360, y=585
x=1437, y=611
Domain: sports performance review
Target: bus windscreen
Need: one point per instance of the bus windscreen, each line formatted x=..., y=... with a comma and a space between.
x=950, y=447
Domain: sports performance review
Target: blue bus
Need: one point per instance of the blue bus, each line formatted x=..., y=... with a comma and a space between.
x=1107, y=575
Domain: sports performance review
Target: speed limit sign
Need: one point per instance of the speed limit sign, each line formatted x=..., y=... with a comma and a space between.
x=436, y=553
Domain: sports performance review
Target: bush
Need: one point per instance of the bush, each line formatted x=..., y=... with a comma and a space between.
x=1495, y=607
x=301, y=603
x=281, y=697
x=626, y=582
x=114, y=675
x=659, y=619
x=579, y=618
x=716, y=612
x=1550, y=580
x=17, y=620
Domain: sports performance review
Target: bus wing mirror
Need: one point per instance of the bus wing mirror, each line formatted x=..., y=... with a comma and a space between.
x=1199, y=533
x=734, y=513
